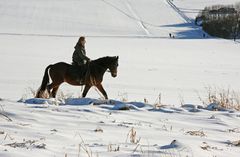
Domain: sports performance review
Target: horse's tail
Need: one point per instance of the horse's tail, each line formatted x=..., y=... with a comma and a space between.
x=44, y=84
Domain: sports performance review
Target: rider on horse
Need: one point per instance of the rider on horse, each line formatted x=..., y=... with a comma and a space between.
x=90, y=74
x=79, y=55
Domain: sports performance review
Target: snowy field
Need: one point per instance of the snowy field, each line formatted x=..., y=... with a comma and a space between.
x=34, y=34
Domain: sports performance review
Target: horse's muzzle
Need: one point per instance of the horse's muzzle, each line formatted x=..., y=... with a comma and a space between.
x=114, y=74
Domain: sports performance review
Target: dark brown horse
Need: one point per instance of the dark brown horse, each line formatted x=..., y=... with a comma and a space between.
x=90, y=74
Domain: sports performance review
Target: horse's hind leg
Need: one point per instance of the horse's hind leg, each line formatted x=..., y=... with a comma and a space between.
x=54, y=91
x=49, y=87
x=54, y=87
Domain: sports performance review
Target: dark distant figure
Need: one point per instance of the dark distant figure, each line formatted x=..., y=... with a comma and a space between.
x=204, y=35
x=170, y=35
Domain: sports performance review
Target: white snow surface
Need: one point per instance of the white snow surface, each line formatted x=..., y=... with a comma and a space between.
x=152, y=66
x=35, y=127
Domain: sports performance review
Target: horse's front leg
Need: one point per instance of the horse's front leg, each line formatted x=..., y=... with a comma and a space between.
x=101, y=89
x=86, y=89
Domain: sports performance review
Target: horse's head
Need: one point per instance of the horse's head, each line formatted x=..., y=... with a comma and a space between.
x=113, y=66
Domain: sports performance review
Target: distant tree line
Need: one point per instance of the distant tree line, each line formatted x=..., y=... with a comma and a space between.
x=220, y=20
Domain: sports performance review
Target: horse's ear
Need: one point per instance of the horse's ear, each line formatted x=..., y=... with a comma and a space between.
x=117, y=57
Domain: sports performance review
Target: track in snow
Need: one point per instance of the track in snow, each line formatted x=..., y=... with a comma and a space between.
x=140, y=22
x=172, y=5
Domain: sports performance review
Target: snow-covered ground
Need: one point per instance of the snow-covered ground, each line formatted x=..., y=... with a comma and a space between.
x=147, y=67
x=34, y=34
x=46, y=129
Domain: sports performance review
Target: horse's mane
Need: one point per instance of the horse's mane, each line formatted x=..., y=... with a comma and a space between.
x=104, y=60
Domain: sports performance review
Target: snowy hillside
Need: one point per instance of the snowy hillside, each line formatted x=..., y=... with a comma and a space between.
x=101, y=17
x=92, y=17
x=152, y=67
